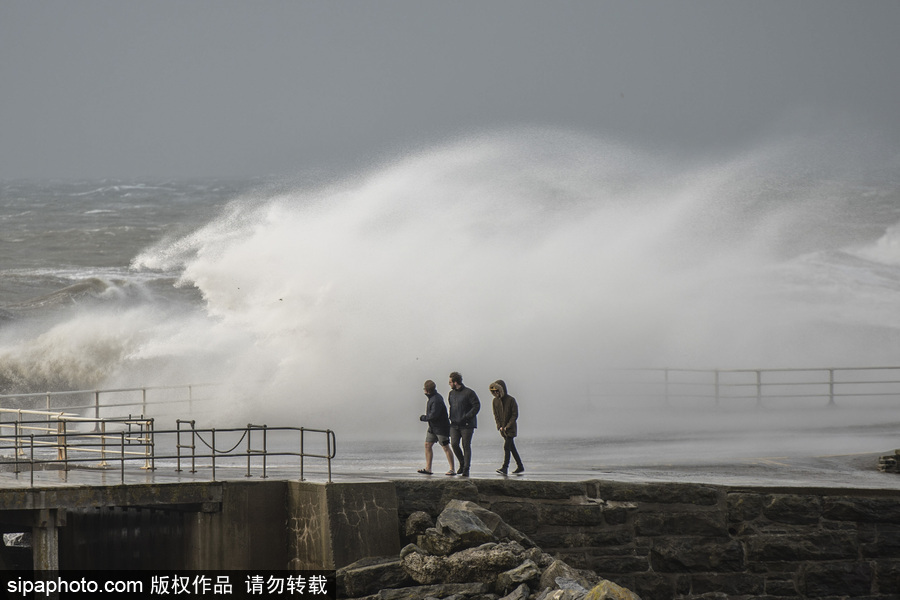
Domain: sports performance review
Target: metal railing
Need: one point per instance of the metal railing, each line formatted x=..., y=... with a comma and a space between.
x=53, y=442
x=115, y=400
x=826, y=386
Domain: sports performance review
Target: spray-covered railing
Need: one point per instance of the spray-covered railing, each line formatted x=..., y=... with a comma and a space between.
x=100, y=403
x=826, y=386
x=54, y=431
x=53, y=442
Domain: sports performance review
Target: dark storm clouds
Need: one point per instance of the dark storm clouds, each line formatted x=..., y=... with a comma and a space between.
x=173, y=88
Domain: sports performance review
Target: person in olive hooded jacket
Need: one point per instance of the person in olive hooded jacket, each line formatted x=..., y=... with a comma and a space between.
x=506, y=413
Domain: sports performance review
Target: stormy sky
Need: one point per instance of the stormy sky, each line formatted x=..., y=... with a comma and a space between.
x=111, y=88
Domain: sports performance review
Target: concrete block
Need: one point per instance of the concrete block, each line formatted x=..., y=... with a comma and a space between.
x=334, y=524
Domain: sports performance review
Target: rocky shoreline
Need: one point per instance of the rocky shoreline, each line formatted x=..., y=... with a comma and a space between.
x=470, y=553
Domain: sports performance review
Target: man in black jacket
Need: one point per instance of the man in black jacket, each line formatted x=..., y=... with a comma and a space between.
x=464, y=406
x=438, y=428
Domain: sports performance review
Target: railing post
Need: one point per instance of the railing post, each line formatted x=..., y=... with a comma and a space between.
x=831, y=401
x=214, y=454
x=178, y=445
x=61, y=453
x=143, y=401
x=122, y=456
x=97, y=405
x=265, y=449
x=145, y=428
x=249, y=446
x=103, y=462
x=758, y=388
x=666, y=388
x=18, y=447
x=193, y=448
x=20, y=444
x=301, y=455
x=331, y=450
x=717, y=386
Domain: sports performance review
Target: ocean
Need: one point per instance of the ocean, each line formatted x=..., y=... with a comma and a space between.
x=538, y=258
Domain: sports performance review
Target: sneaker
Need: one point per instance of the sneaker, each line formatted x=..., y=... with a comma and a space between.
x=460, y=471
x=464, y=473
x=502, y=471
x=519, y=469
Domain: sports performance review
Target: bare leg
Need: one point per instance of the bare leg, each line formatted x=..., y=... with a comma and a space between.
x=449, y=453
x=429, y=455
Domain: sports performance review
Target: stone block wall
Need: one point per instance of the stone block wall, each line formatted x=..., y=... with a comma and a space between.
x=690, y=541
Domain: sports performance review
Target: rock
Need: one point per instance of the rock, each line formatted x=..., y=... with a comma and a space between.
x=457, y=528
x=417, y=523
x=445, y=590
x=469, y=554
x=483, y=564
x=493, y=521
x=559, y=569
x=607, y=590
x=463, y=525
x=549, y=594
x=525, y=572
x=540, y=558
x=564, y=583
x=433, y=542
x=369, y=575
x=409, y=549
x=520, y=593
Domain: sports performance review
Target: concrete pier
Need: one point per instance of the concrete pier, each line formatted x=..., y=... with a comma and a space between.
x=660, y=539
x=258, y=524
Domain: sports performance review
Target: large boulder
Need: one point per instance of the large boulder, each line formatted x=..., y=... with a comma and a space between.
x=417, y=523
x=369, y=575
x=463, y=524
x=482, y=564
x=501, y=530
x=558, y=570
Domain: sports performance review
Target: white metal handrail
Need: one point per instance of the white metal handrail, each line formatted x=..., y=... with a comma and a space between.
x=125, y=446
x=111, y=398
x=830, y=384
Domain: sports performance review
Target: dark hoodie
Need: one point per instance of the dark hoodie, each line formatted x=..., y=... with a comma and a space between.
x=506, y=410
x=464, y=406
x=436, y=415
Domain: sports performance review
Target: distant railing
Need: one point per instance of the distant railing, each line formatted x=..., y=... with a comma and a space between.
x=116, y=400
x=827, y=386
x=53, y=442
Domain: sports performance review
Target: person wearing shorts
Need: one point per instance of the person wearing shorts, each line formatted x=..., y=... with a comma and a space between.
x=438, y=428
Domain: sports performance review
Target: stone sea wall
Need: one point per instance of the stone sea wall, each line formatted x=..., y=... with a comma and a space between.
x=668, y=540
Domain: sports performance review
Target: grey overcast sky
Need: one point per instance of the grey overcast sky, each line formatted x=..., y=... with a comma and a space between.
x=176, y=88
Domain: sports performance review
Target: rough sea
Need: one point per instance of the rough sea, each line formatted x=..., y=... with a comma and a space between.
x=541, y=259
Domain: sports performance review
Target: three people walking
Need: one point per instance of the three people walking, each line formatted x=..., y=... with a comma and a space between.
x=454, y=431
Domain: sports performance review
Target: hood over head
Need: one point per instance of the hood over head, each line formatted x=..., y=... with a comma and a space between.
x=500, y=384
